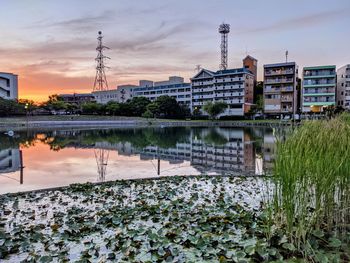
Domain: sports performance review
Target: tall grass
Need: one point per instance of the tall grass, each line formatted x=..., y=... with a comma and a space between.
x=312, y=180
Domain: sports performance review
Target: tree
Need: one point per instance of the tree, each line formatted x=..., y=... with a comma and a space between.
x=112, y=108
x=91, y=108
x=168, y=107
x=214, y=109
x=153, y=108
x=138, y=105
x=55, y=103
x=11, y=107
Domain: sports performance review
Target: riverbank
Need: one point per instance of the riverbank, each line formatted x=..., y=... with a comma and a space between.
x=18, y=123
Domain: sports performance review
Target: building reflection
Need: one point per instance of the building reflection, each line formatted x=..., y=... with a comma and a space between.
x=11, y=161
x=216, y=150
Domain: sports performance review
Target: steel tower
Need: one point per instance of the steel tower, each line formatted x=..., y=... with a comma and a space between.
x=224, y=29
x=100, y=83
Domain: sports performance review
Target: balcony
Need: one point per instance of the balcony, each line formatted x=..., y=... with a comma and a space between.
x=287, y=89
x=279, y=72
x=286, y=99
x=279, y=81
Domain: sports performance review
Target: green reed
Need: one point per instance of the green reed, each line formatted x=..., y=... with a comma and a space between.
x=312, y=180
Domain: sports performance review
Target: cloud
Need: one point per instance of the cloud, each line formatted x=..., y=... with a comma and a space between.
x=294, y=23
x=84, y=23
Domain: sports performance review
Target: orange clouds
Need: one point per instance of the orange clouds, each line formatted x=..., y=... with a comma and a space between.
x=38, y=86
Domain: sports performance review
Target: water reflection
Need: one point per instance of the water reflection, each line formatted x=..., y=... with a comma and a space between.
x=61, y=157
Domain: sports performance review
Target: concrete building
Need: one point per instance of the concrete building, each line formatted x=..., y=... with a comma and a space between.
x=233, y=86
x=77, y=98
x=343, y=86
x=319, y=88
x=280, y=94
x=121, y=94
x=174, y=87
x=251, y=64
x=8, y=86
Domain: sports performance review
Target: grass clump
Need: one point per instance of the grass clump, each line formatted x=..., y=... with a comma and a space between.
x=312, y=186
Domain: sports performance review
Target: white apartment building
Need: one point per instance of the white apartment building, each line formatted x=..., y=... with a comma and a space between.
x=121, y=94
x=8, y=86
x=343, y=86
x=233, y=86
x=174, y=87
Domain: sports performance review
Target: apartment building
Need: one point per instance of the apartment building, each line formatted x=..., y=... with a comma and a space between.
x=233, y=86
x=8, y=86
x=121, y=94
x=319, y=88
x=174, y=87
x=280, y=94
x=343, y=86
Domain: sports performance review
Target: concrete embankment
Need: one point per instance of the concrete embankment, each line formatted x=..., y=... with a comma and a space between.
x=134, y=123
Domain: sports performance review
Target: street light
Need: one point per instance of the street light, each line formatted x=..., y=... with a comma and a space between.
x=26, y=108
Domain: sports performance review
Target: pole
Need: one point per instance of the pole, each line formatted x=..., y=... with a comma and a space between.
x=158, y=170
x=21, y=166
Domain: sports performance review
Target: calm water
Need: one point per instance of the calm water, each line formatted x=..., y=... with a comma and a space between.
x=54, y=158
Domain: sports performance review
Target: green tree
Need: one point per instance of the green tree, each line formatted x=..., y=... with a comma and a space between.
x=91, y=108
x=167, y=107
x=112, y=108
x=214, y=109
x=138, y=105
x=11, y=107
x=153, y=108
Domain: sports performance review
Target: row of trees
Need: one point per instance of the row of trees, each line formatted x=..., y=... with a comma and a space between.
x=162, y=107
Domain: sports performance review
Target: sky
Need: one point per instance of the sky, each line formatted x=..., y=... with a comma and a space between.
x=51, y=44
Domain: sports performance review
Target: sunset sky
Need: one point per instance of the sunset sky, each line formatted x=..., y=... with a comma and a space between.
x=51, y=44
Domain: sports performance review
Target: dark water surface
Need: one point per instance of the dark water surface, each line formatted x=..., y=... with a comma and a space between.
x=61, y=157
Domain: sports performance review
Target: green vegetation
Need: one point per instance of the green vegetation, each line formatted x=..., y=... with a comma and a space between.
x=214, y=109
x=312, y=189
x=12, y=107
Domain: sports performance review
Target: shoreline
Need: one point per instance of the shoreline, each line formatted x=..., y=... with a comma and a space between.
x=23, y=125
x=111, y=182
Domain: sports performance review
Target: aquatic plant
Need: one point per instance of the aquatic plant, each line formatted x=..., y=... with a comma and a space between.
x=312, y=186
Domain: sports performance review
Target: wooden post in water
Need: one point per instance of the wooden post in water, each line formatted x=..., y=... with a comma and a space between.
x=158, y=170
x=21, y=166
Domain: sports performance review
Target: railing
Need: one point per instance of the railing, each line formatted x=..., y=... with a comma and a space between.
x=278, y=80
x=280, y=72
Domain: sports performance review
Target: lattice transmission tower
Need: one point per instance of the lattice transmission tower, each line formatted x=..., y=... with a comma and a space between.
x=100, y=83
x=101, y=156
x=224, y=29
